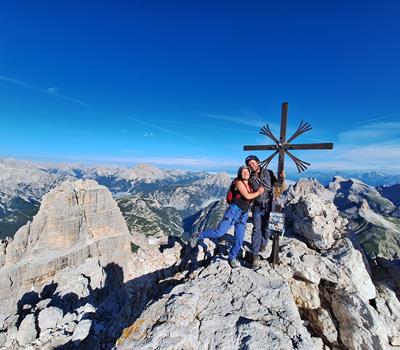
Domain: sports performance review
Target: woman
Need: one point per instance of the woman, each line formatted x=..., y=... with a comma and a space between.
x=236, y=215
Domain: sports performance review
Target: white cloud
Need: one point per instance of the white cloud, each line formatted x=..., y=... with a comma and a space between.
x=379, y=156
x=178, y=161
x=148, y=134
x=371, y=133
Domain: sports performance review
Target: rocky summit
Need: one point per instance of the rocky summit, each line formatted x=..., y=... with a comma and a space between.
x=75, y=277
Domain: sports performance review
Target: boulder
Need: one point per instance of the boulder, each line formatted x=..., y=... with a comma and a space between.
x=27, y=332
x=81, y=331
x=315, y=220
x=49, y=318
x=355, y=267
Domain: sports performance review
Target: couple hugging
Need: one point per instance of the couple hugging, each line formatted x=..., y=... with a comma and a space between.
x=253, y=184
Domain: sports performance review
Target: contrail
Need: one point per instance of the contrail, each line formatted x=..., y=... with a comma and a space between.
x=53, y=92
x=44, y=91
x=378, y=118
x=161, y=129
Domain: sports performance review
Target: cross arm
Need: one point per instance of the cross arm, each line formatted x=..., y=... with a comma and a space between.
x=306, y=146
x=261, y=148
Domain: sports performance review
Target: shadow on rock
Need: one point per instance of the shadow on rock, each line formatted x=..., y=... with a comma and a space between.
x=97, y=320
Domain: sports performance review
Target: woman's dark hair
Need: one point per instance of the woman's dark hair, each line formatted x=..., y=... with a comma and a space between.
x=239, y=173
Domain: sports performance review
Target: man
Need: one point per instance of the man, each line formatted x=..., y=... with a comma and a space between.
x=262, y=206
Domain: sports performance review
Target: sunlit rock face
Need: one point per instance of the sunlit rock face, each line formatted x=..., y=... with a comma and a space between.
x=76, y=221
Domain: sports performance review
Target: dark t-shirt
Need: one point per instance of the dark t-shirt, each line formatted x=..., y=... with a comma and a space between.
x=266, y=179
x=242, y=203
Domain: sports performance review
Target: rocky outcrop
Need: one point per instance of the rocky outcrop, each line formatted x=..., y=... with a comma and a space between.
x=311, y=214
x=335, y=299
x=308, y=301
x=71, y=244
x=71, y=215
x=221, y=308
x=308, y=186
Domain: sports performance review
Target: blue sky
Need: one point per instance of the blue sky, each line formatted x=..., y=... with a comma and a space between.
x=186, y=84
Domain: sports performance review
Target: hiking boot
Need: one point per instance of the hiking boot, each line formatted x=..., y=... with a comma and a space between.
x=233, y=263
x=263, y=248
x=255, y=261
x=194, y=240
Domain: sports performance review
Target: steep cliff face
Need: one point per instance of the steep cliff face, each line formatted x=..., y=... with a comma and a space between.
x=78, y=226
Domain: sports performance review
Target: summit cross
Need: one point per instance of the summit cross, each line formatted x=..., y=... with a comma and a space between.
x=282, y=146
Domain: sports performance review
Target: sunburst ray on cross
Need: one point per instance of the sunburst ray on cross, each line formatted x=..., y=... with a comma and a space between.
x=283, y=146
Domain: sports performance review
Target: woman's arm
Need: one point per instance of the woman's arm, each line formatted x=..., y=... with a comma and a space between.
x=245, y=193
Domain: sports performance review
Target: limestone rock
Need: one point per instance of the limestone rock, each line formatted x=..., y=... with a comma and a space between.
x=309, y=186
x=82, y=330
x=299, y=261
x=359, y=324
x=27, y=330
x=324, y=324
x=221, y=308
x=49, y=318
x=351, y=260
x=315, y=220
x=388, y=308
x=305, y=294
x=78, y=226
x=43, y=304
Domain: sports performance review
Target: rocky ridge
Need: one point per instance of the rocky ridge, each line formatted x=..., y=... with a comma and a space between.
x=123, y=290
x=339, y=305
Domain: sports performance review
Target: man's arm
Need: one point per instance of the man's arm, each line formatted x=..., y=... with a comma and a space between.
x=277, y=189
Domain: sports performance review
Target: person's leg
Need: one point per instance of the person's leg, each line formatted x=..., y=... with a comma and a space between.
x=226, y=222
x=240, y=230
x=257, y=229
x=264, y=226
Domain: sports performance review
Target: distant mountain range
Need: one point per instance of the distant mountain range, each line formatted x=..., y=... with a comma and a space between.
x=166, y=194
x=94, y=270
x=371, y=178
x=149, y=198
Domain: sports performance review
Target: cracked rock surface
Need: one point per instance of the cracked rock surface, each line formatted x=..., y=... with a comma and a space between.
x=221, y=308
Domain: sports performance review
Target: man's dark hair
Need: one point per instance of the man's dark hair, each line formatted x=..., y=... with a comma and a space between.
x=251, y=157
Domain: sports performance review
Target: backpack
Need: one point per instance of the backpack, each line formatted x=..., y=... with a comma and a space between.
x=232, y=193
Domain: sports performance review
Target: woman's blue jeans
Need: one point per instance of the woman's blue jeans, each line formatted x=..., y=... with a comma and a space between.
x=233, y=216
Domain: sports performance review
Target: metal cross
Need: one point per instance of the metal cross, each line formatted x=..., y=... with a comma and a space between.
x=282, y=147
